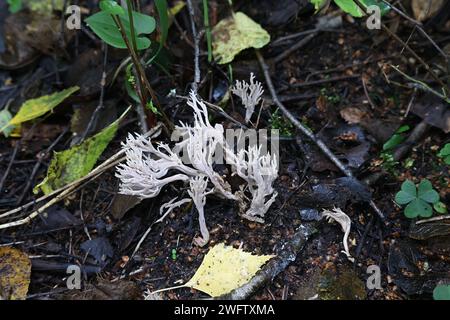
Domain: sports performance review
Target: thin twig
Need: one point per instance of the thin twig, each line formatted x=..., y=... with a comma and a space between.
x=11, y=161
x=196, y=47
x=308, y=133
x=91, y=175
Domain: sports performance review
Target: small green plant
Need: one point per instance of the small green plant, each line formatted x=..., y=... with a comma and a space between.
x=388, y=162
x=174, y=254
x=277, y=121
x=444, y=153
x=418, y=199
x=441, y=292
x=332, y=98
x=128, y=29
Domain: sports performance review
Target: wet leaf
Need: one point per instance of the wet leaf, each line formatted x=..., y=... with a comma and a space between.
x=224, y=269
x=35, y=108
x=76, y=162
x=15, y=269
x=237, y=33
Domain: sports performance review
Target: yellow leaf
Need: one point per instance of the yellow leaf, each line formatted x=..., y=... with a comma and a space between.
x=35, y=108
x=224, y=269
x=237, y=33
x=15, y=270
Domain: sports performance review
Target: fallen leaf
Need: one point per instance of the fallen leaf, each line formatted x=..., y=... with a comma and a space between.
x=224, y=269
x=237, y=33
x=76, y=162
x=35, y=108
x=424, y=9
x=15, y=270
x=352, y=115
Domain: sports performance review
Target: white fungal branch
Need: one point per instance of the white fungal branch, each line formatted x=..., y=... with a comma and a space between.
x=198, y=194
x=148, y=168
x=344, y=220
x=250, y=94
x=259, y=171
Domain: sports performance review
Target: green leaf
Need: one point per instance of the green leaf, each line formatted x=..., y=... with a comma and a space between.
x=103, y=25
x=440, y=207
x=427, y=193
x=237, y=33
x=418, y=207
x=14, y=5
x=447, y=160
x=5, y=118
x=111, y=6
x=393, y=141
x=403, y=198
x=441, y=292
x=35, y=108
x=403, y=129
x=409, y=187
x=384, y=7
x=76, y=162
x=350, y=7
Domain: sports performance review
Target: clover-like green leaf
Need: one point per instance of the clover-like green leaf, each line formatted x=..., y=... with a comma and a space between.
x=409, y=187
x=403, y=197
x=427, y=193
x=440, y=207
x=441, y=292
x=418, y=207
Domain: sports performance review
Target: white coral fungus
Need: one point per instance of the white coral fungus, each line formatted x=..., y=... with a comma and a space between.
x=250, y=94
x=344, y=220
x=148, y=169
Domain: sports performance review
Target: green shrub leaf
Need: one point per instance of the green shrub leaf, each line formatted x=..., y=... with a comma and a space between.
x=111, y=6
x=103, y=25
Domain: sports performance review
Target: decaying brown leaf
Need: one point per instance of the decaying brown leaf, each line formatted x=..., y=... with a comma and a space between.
x=424, y=9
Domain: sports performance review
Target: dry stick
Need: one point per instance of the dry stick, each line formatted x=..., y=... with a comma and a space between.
x=275, y=266
x=152, y=133
x=295, y=47
x=322, y=146
x=196, y=47
x=38, y=164
x=418, y=25
x=438, y=218
x=58, y=198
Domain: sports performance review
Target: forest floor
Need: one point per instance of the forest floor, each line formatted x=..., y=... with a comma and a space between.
x=340, y=84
